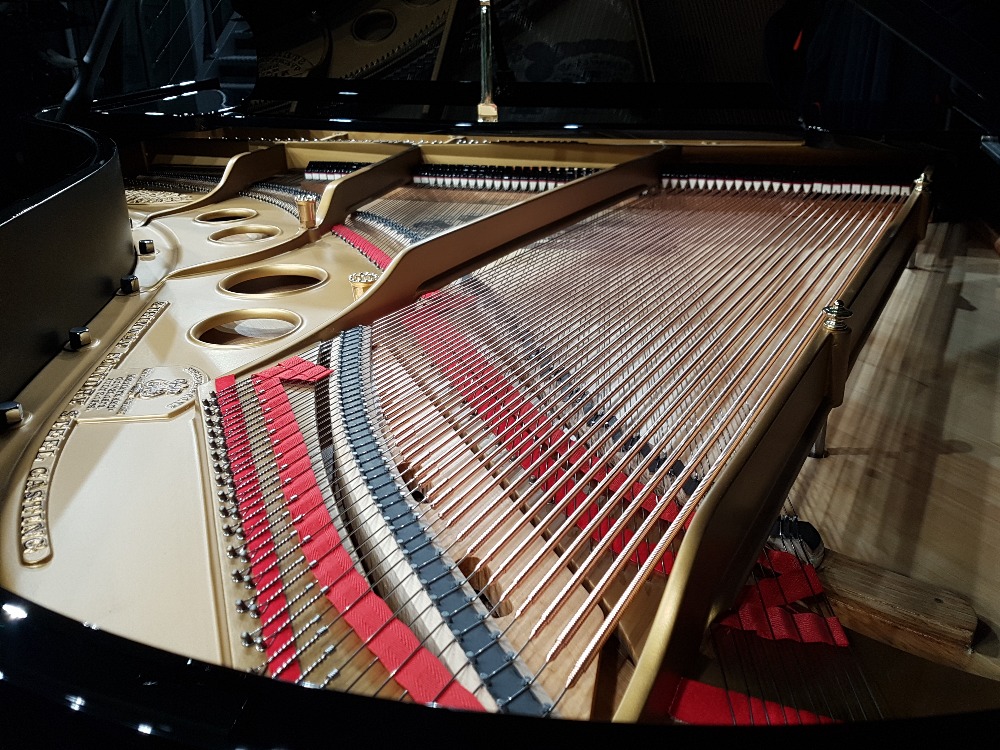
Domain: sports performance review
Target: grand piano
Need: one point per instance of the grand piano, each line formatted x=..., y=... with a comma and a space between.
x=450, y=365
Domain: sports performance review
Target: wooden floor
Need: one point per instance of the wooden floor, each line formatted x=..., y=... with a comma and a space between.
x=911, y=481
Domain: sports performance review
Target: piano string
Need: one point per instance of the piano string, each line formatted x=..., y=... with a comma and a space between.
x=553, y=420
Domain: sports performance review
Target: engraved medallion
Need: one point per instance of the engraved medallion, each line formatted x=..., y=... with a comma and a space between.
x=156, y=387
x=143, y=393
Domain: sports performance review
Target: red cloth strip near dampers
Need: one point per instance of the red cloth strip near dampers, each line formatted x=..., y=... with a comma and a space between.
x=700, y=703
x=501, y=406
x=412, y=666
x=765, y=605
x=277, y=629
x=367, y=248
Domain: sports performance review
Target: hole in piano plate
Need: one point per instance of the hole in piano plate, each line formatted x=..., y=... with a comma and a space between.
x=492, y=593
x=221, y=215
x=244, y=233
x=410, y=479
x=374, y=26
x=245, y=327
x=273, y=281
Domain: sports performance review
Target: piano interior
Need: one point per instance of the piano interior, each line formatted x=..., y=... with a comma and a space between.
x=614, y=426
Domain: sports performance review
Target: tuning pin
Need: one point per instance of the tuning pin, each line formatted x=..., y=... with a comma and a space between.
x=248, y=607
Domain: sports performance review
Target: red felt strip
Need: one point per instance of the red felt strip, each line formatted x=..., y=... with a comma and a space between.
x=699, y=703
x=414, y=667
x=277, y=629
x=765, y=606
x=364, y=246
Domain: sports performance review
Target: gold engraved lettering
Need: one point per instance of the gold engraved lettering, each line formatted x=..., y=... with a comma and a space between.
x=36, y=546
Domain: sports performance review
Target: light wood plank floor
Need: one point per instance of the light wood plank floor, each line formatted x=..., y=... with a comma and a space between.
x=911, y=482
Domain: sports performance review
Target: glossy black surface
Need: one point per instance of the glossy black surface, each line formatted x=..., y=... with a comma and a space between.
x=68, y=685
x=65, y=240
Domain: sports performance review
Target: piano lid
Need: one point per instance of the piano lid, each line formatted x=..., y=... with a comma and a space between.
x=621, y=66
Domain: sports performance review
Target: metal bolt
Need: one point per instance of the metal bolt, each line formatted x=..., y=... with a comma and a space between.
x=836, y=313
x=129, y=284
x=79, y=337
x=11, y=413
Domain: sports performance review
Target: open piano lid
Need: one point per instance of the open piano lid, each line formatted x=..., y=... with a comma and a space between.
x=787, y=67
